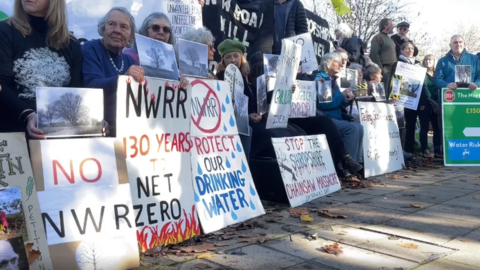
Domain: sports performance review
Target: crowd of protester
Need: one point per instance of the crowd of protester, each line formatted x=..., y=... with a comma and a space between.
x=36, y=49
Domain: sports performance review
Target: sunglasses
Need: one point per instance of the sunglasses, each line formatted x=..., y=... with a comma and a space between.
x=157, y=28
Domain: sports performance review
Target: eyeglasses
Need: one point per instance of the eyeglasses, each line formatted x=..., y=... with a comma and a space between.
x=403, y=29
x=210, y=47
x=157, y=28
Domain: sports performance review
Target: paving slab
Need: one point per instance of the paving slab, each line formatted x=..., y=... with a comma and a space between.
x=445, y=211
x=309, y=266
x=434, y=194
x=471, y=201
x=445, y=264
x=348, y=235
x=469, y=249
x=257, y=257
x=351, y=258
x=466, y=182
x=397, y=201
x=426, y=228
x=358, y=213
x=202, y=264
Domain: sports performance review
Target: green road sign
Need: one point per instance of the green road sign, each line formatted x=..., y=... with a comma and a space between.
x=461, y=127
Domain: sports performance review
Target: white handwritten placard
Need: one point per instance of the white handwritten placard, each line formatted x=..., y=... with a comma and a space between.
x=279, y=110
x=306, y=166
x=86, y=203
x=308, y=59
x=153, y=122
x=382, y=147
x=19, y=195
x=262, y=103
x=412, y=78
x=304, y=100
x=234, y=77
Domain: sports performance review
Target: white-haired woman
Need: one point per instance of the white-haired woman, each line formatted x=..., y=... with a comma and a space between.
x=155, y=26
x=353, y=45
x=351, y=131
x=36, y=50
x=104, y=61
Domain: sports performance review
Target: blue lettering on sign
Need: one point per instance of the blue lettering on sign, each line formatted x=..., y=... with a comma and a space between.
x=464, y=150
x=225, y=202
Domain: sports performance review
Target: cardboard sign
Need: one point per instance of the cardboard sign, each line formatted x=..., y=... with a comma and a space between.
x=412, y=78
x=306, y=166
x=304, y=100
x=461, y=127
x=382, y=148
x=212, y=109
x=86, y=204
x=234, y=77
x=279, y=110
x=19, y=200
x=308, y=59
x=262, y=102
x=241, y=113
x=153, y=121
x=224, y=190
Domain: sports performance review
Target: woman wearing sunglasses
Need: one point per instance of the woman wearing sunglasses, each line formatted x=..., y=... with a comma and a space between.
x=156, y=26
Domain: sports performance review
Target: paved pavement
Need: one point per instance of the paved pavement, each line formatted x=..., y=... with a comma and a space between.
x=425, y=220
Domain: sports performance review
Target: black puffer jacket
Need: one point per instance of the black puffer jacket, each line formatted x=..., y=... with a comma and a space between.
x=296, y=20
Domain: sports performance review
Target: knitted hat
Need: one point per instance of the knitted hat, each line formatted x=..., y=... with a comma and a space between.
x=229, y=46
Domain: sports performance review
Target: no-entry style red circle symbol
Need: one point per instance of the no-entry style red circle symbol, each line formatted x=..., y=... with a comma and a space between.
x=197, y=121
x=449, y=95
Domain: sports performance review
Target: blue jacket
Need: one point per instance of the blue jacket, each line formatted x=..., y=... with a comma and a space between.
x=332, y=109
x=445, y=70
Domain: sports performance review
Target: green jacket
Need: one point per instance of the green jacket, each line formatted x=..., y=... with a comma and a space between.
x=382, y=50
x=430, y=90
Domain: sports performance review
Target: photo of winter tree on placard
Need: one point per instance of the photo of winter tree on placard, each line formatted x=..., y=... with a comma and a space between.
x=193, y=58
x=270, y=62
x=262, y=104
x=67, y=112
x=241, y=112
x=396, y=86
x=157, y=58
x=350, y=80
x=463, y=76
x=324, y=91
x=379, y=91
x=410, y=87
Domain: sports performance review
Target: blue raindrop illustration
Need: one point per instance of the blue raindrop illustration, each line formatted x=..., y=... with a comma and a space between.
x=232, y=122
x=199, y=169
x=252, y=205
x=195, y=195
x=227, y=162
x=244, y=168
x=225, y=128
x=234, y=216
x=252, y=190
x=218, y=87
x=223, y=108
x=233, y=154
x=239, y=148
x=227, y=100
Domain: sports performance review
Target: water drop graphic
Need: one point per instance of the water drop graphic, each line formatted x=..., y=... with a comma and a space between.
x=223, y=108
x=252, y=190
x=234, y=216
x=244, y=168
x=227, y=100
x=195, y=195
x=252, y=205
x=199, y=169
x=239, y=148
x=218, y=87
x=227, y=162
x=233, y=155
x=224, y=128
x=232, y=122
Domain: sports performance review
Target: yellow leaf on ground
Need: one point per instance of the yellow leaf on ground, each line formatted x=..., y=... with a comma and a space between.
x=416, y=205
x=409, y=245
x=306, y=218
x=205, y=256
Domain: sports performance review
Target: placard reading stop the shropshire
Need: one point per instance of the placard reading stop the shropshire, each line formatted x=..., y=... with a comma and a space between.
x=461, y=127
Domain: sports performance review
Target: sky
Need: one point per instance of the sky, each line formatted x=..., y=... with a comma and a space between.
x=8, y=195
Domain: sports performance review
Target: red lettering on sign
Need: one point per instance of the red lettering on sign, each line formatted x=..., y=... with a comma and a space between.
x=71, y=177
x=99, y=175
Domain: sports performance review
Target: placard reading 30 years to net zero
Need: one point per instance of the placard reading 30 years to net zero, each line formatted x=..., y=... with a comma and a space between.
x=461, y=127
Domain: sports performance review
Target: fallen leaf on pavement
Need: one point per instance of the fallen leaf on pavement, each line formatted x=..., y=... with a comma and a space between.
x=409, y=245
x=312, y=236
x=476, y=197
x=477, y=178
x=262, y=240
x=248, y=240
x=306, y=218
x=202, y=266
x=465, y=240
x=198, y=249
x=325, y=213
x=416, y=205
x=221, y=244
x=298, y=211
x=262, y=234
x=204, y=256
x=334, y=249
x=393, y=237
